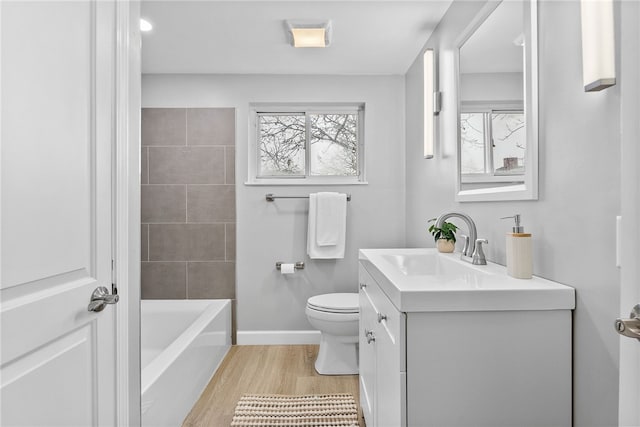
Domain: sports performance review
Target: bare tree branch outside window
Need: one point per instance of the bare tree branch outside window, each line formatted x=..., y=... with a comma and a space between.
x=507, y=136
x=472, y=143
x=509, y=142
x=282, y=144
x=333, y=144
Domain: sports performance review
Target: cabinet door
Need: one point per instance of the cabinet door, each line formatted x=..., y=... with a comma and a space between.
x=391, y=383
x=367, y=362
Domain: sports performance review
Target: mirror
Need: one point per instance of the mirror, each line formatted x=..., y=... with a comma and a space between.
x=497, y=104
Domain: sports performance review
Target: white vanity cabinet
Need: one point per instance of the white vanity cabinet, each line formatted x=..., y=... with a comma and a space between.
x=383, y=379
x=482, y=357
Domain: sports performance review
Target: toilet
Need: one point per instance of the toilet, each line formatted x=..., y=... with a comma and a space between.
x=336, y=316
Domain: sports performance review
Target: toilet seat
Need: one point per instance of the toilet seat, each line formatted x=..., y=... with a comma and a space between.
x=335, y=303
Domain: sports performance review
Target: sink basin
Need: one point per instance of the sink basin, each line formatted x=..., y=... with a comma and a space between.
x=415, y=264
x=430, y=264
x=426, y=280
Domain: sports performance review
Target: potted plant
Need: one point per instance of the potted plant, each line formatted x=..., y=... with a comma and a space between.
x=445, y=236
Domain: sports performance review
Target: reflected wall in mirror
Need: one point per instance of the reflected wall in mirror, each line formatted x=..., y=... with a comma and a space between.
x=497, y=104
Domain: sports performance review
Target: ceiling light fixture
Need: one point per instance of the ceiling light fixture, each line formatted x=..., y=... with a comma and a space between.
x=145, y=25
x=308, y=34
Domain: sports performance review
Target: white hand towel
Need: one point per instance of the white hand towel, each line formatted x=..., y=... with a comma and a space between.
x=323, y=252
x=331, y=214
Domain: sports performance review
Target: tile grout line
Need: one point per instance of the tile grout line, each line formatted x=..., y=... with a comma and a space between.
x=186, y=128
x=224, y=164
x=186, y=204
x=173, y=262
x=186, y=279
x=148, y=242
x=186, y=221
x=148, y=168
x=209, y=261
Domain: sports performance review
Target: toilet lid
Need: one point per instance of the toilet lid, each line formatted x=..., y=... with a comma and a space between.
x=335, y=303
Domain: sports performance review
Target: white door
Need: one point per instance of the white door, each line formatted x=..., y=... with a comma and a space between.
x=57, y=120
x=629, y=414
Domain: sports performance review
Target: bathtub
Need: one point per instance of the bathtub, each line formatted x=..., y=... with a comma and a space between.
x=182, y=345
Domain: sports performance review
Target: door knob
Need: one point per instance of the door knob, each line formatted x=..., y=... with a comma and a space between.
x=100, y=298
x=630, y=327
x=370, y=336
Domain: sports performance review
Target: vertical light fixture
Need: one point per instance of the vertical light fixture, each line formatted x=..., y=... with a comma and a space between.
x=598, y=45
x=429, y=86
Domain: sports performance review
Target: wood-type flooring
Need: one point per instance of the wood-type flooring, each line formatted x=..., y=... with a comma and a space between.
x=268, y=369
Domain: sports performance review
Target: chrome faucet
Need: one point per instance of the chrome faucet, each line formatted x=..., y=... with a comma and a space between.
x=472, y=250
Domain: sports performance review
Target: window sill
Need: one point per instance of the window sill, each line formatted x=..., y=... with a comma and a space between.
x=481, y=178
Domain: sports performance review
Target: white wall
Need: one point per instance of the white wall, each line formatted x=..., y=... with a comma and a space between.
x=491, y=87
x=573, y=221
x=270, y=232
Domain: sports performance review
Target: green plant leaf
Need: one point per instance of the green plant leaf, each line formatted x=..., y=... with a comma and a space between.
x=447, y=231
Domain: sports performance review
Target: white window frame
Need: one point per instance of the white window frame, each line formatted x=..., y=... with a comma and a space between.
x=489, y=109
x=306, y=108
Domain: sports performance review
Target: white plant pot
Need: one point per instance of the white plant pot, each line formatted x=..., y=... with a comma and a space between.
x=445, y=246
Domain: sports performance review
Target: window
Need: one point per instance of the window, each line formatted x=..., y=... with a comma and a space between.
x=493, y=144
x=312, y=144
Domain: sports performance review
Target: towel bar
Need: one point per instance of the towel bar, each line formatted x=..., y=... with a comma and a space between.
x=271, y=197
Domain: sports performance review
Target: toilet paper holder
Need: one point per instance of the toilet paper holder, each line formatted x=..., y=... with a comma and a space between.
x=298, y=265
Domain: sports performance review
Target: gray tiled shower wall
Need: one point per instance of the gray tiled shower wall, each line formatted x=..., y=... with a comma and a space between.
x=188, y=203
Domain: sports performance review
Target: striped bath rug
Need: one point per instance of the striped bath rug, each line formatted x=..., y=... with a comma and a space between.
x=324, y=410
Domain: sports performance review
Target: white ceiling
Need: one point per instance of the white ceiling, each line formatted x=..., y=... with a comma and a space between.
x=491, y=48
x=248, y=37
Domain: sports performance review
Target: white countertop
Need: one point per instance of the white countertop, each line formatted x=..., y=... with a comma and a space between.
x=419, y=280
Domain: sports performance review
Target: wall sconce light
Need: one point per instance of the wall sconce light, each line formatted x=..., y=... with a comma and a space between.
x=431, y=102
x=309, y=34
x=598, y=45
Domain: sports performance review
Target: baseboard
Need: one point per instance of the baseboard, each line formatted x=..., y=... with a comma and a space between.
x=277, y=337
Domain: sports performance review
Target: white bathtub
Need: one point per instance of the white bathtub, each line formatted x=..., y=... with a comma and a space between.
x=182, y=345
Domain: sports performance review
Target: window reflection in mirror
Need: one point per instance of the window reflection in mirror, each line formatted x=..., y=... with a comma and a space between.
x=492, y=144
x=497, y=98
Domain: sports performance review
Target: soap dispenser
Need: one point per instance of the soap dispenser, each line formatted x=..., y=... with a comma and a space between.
x=518, y=248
